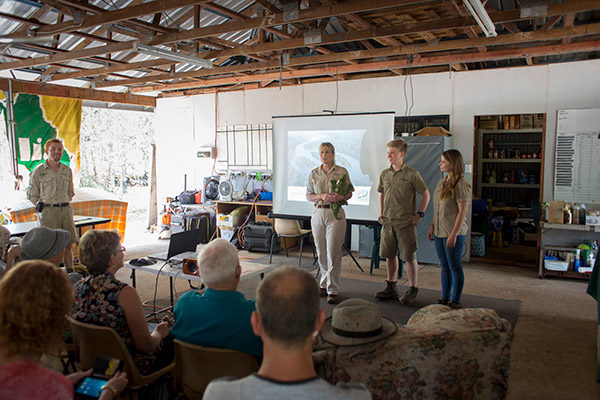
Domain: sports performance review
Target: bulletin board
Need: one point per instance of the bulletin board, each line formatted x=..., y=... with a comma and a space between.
x=577, y=156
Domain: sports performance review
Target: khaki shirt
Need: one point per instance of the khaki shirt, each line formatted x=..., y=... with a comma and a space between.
x=50, y=187
x=399, y=190
x=445, y=211
x=320, y=182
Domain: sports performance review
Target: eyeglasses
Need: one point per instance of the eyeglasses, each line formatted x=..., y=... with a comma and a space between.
x=122, y=248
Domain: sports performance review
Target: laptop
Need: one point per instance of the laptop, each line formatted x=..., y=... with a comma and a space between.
x=182, y=245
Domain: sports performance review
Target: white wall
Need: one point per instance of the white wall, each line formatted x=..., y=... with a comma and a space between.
x=463, y=95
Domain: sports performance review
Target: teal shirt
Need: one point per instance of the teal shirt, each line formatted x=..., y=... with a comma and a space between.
x=217, y=318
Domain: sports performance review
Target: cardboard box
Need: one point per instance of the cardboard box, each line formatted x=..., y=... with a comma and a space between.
x=526, y=121
x=592, y=220
x=488, y=123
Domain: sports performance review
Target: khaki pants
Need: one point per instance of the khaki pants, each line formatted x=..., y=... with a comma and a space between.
x=329, y=234
x=60, y=218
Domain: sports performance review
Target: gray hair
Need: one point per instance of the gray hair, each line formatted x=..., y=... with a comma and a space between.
x=287, y=302
x=218, y=262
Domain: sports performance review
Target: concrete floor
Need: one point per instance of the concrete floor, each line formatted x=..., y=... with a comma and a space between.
x=553, y=353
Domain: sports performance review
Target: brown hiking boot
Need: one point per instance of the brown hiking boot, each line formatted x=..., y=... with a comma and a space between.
x=389, y=293
x=409, y=296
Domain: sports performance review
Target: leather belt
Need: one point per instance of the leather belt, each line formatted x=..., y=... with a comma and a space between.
x=323, y=206
x=56, y=205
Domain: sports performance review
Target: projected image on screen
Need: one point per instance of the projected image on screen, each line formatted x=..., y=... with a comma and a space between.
x=303, y=152
x=359, y=140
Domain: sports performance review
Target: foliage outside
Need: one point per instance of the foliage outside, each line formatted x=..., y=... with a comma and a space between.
x=116, y=148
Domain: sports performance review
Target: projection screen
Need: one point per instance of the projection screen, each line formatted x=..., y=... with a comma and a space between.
x=359, y=141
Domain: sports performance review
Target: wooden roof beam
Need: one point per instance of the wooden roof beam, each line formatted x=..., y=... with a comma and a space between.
x=376, y=66
x=19, y=86
x=498, y=17
x=71, y=55
x=109, y=17
x=349, y=7
x=517, y=38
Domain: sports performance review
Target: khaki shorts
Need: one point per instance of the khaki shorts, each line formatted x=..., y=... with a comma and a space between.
x=60, y=218
x=403, y=240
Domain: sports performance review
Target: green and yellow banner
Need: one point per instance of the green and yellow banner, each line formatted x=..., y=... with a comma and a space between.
x=40, y=118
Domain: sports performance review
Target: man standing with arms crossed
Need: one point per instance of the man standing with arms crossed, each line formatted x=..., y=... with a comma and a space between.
x=51, y=190
x=398, y=186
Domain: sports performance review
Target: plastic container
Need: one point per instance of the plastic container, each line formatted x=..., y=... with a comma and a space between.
x=555, y=265
x=266, y=195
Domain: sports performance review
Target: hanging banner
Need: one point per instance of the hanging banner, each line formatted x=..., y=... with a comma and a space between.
x=40, y=118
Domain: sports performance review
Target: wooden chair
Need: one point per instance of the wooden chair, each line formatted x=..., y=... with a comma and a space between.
x=196, y=366
x=289, y=228
x=99, y=341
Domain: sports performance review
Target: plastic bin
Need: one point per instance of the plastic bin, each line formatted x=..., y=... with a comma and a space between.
x=555, y=265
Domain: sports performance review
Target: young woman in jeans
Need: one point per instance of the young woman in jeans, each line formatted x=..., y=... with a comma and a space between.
x=449, y=226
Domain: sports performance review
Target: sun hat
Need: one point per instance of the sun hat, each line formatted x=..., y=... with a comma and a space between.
x=356, y=321
x=42, y=243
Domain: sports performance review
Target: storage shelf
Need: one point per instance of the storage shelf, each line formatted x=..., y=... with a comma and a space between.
x=511, y=185
x=558, y=248
x=528, y=130
x=512, y=160
x=567, y=274
x=571, y=227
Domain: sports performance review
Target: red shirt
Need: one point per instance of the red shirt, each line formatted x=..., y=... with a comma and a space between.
x=28, y=380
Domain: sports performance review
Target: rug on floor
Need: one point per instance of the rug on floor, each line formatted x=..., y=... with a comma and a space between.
x=394, y=310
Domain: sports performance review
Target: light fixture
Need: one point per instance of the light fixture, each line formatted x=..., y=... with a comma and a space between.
x=171, y=55
x=484, y=21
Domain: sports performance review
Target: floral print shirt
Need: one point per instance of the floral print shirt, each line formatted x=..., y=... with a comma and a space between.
x=97, y=303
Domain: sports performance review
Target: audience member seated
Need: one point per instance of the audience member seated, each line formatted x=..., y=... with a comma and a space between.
x=287, y=316
x=34, y=299
x=101, y=299
x=4, y=243
x=44, y=243
x=221, y=316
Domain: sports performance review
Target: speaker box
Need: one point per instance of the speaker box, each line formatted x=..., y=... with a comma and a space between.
x=190, y=266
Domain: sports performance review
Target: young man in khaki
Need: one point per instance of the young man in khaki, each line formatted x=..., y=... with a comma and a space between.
x=51, y=183
x=398, y=186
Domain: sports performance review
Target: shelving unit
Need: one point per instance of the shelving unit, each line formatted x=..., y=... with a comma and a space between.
x=564, y=237
x=512, y=193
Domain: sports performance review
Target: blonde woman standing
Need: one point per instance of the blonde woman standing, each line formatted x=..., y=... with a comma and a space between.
x=328, y=232
x=449, y=225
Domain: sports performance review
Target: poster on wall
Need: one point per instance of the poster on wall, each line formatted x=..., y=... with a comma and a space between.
x=577, y=164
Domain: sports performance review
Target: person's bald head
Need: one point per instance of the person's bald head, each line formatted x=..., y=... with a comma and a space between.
x=287, y=302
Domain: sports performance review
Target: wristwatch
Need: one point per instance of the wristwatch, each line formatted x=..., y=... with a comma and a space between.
x=420, y=214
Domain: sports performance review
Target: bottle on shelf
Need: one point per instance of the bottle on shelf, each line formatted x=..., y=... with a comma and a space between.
x=544, y=212
x=582, y=213
x=567, y=214
x=576, y=210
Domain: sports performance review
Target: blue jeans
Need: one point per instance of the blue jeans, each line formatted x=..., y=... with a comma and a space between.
x=453, y=278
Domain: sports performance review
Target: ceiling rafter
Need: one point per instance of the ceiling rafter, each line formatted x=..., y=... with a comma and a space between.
x=555, y=34
x=423, y=61
x=256, y=44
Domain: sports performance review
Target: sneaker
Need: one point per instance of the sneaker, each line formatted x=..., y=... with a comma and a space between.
x=389, y=293
x=322, y=292
x=408, y=297
x=454, y=306
x=443, y=302
x=332, y=298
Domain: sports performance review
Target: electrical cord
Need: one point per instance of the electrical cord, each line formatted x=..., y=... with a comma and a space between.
x=156, y=285
x=241, y=228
